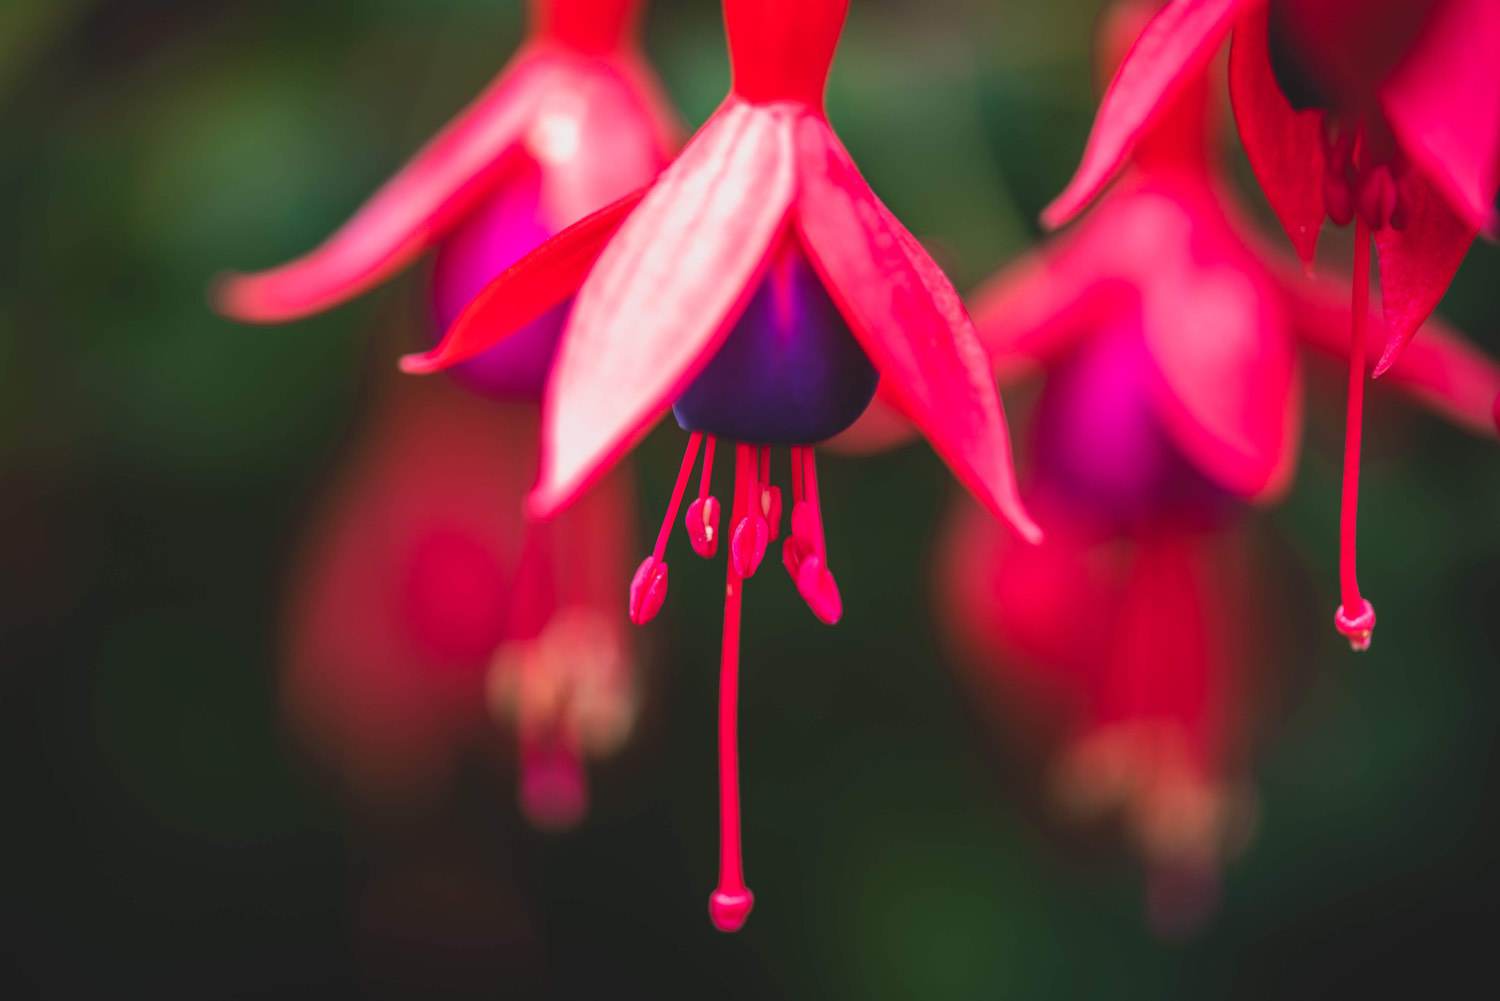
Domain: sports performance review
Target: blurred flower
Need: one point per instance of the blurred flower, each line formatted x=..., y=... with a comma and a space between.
x=573, y=122
x=760, y=288
x=1386, y=113
x=1169, y=338
x=419, y=615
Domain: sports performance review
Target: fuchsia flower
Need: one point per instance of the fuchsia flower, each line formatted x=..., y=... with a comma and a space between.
x=417, y=617
x=759, y=289
x=1169, y=337
x=574, y=122
x=1381, y=112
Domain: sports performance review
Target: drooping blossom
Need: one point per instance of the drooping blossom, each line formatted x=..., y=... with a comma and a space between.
x=572, y=123
x=759, y=289
x=420, y=617
x=1385, y=113
x=1169, y=337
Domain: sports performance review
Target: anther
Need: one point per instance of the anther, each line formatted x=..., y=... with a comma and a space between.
x=648, y=588
x=704, y=513
x=805, y=553
x=770, y=494
x=752, y=533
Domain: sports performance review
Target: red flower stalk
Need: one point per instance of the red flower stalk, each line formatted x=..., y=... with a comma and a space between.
x=417, y=618
x=572, y=123
x=759, y=288
x=1149, y=439
x=1383, y=113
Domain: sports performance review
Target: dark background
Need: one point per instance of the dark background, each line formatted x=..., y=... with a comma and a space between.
x=162, y=834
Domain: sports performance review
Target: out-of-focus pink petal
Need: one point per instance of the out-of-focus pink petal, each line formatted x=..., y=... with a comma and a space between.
x=1174, y=48
x=1284, y=146
x=1034, y=310
x=1417, y=263
x=665, y=293
x=1443, y=103
x=1221, y=343
x=526, y=290
x=404, y=217
x=595, y=140
x=1438, y=368
x=907, y=317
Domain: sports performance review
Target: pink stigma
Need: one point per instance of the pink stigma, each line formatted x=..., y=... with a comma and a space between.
x=755, y=519
x=553, y=789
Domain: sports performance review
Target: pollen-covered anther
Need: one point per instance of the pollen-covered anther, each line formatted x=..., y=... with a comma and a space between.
x=648, y=590
x=703, y=517
x=747, y=545
x=1357, y=628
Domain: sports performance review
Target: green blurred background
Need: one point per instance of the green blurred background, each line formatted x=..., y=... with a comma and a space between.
x=156, y=463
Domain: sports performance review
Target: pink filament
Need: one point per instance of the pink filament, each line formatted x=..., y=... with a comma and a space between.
x=677, y=491
x=1355, y=618
x=730, y=903
x=810, y=492
x=706, y=483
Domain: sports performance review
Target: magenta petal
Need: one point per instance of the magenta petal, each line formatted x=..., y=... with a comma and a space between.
x=664, y=294
x=1284, y=146
x=907, y=317
x=1417, y=263
x=1222, y=346
x=1443, y=103
x=404, y=217
x=1175, y=47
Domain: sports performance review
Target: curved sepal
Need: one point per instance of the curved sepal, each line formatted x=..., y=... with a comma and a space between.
x=1417, y=262
x=1284, y=146
x=525, y=290
x=909, y=320
x=1174, y=48
x=1439, y=368
x=404, y=217
x=1443, y=103
x=664, y=294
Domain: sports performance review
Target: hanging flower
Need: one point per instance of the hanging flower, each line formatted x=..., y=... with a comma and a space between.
x=573, y=122
x=1383, y=113
x=761, y=290
x=1133, y=621
x=418, y=618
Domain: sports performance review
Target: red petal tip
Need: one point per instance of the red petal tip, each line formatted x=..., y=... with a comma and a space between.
x=729, y=910
x=648, y=590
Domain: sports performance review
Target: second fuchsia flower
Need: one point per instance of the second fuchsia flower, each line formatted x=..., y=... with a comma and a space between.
x=573, y=122
x=759, y=289
x=1384, y=113
x=1169, y=338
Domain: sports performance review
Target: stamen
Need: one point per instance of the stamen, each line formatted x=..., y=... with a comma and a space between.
x=805, y=554
x=770, y=494
x=703, y=514
x=752, y=533
x=1355, y=617
x=648, y=589
x=730, y=903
